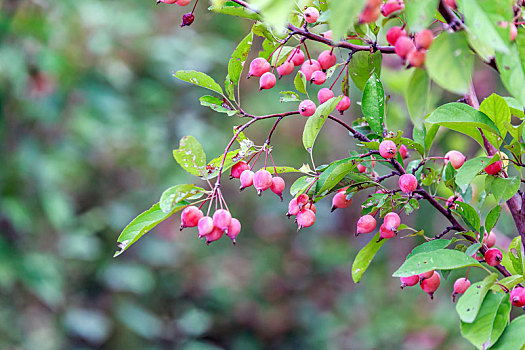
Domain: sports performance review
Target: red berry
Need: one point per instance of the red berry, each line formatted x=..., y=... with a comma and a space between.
x=234, y=229
x=238, y=168
x=493, y=257
x=404, y=46
x=326, y=59
x=305, y=218
x=387, y=149
x=395, y=33
x=311, y=14
x=308, y=67
x=307, y=108
x=407, y=183
x=190, y=217
x=277, y=186
x=324, y=95
x=169, y=2
x=246, y=179
x=416, y=58
x=392, y=6
x=424, y=39
x=385, y=233
x=452, y=199
x=215, y=235
x=361, y=168
x=427, y=274
x=293, y=207
x=392, y=221
x=366, y=224
x=431, y=284
x=311, y=206
x=205, y=226
x=183, y=2
x=461, y=285
x=222, y=219
x=450, y=3
x=328, y=35
x=343, y=105
x=409, y=281
x=267, y=81
x=297, y=57
x=403, y=151
x=262, y=180
x=456, y=159
x=371, y=11
x=340, y=201
x=302, y=200
x=494, y=168
x=187, y=19
x=318, y=77
x=517, y=296
x=258, y=67
x=285, y=68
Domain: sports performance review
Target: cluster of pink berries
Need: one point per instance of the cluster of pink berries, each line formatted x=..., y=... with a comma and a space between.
x=188, y=18
x=262, y=179
x=429, y=282
x=413, y=50
x=375, y=8
x=211, y=228
x=304, y=209
x=391, y=222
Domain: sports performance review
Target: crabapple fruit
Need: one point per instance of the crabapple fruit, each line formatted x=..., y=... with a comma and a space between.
x=307, y=108
x=416, y=58
x=407, y=183
x=293, y=207
x=215, y=235
x=285, y=68
x=427, y=274
x=258, y=67
x=392, y=6
x=234, y=229
x=340, y=201
x=431, y=284
x=343, y=105
x=305, y=218
x=385, y=233
x=456, y=159
x=366, y=224
x=494, y=168
x=361, y=168
x=267, y=81
x=404, y=45
x=246, y=179
x=277, y=186
x=222, y=219
x=371, y=12
x=452, y=199
x=324, y=95
x=490, y=239
x=403, y=151
x=328, y=35
x=311, y=14
x=310, y=206
x=461, y=285
x=409, y=281
x=187, y=19
x=395, y=33
x=326, y=59
x=309, y=67
x=318, y=77
x=513, y=32
x=424, y=39
x=262, y=180
x=297, y=57
x=183, y=2
x=392, y=221
x=387, y=149
x=205, y=226
x=169, y=2
x=190, y=217
x=238, y=168
x=517, y=296
x=302, y=200
x=450, y=3
x=493, y=257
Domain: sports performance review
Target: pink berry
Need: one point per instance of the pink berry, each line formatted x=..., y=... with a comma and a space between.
x=318, y=77
x=340, y=201
x=392, y=6
x=215, y=235
x=293, y=207
x=302, y=200
x=387, y=149
x=371, y=11
x=305, y=218
x=395, y=33
x=262, y=180
x=456, y=159
x=297, y=57
x=366, y=224
x=493, y=257
x=513, y=32
x=430, y=285
x=277, y=186
x=416, y=58
x=361, y=168
x=517, y=296
x=267, y=81
x=246, y=179
x=222, y=219
x=258, y=67
x=490, y=239
x=308, y=67
x=461, y=285
x=404, y=46
x=169, y=2
x=311, y=206
x=403, y=151
x=392, y=221
x=409, y=281
x=327, y=59
x=385, y=233
x=183, y=2
x=452, y=199
x=311, y=14
x=425, y=275
x=238, y=168
x=285, y=68
x=307, y=108
x=234, y=229
x=451, y=3
x=424, y=39
x=328, y=35
x=407, y=183
x=187, y=19
x=343, y=105
x=494, y=168
x=190, y=217
x=324, y=95
x=205, y=226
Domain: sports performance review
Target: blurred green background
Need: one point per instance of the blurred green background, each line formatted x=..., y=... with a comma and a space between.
x=89, y=116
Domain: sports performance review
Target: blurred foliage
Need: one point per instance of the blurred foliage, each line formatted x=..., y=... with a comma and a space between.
x=90, y=114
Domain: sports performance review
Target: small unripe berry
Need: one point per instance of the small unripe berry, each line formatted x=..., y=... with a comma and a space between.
x=392, y=6
x=427, y=274
x=293, y=207
x=246, y=179
x=285, y=68
x=490, y=239
x=308, y=67
x=328, y=35
x=452, y=199
x=215, y=235
x=385, y=233
x=407, y=183
x=297, y=57
x=307, y=108
x=234, y=229
x=395, y=33
x=262, y=180
x=190, y=217
x=494, y=168
x=450, y=3
x=361, y=168
x=461, y=285
x=267, y=81
x=311, y=14
x=343, y=105
x=456, y=159
x=222, y=219
x=327, y=59
x=493, y=257
x=277, y=186
x=238, y=168
x=205, y=226
x=366, y=224
x=404, y=46
x=513, y=32
x=318, y=77
x=409, y=281
x=424, y=39
x=183, y=2
x=416, y=58
x=431, y=284
x=305, y=218
x=340, y=201
x=392, y=221
x=187, y=19
x=324, y=95
x=517, y=296
x=258, y=67
x=387, y=149
x=403, y=151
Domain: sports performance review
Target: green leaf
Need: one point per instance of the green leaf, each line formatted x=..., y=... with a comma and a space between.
x=362, y=65
x=490, y=322
x=469, y=304
x=431, y=246
x=509, y=282
x=191, y=156
x=492, y=218
x=199, y=79
x=281, y=55
x=496, y=108
x=365, y=257
x=143, y=224
x=504, y=188
x=289, y=96
x=515, y=107
x=464, y=119
x=342, y=16
x=300, y=82
x=469, y=215
x=440, y=259
x=417, y=96
x=373, y=104
x=450, y=62
x=316, y=121
x=282, y=170
x=512, y=68
x=512, y=338
x=238, y=59
x=173, y=195
x=419, y=14
x=515, y=256
x=301, y=184
x=275, y=13
x=470, y=169
x=233, y=9
x=216, y=104
x=335, y=173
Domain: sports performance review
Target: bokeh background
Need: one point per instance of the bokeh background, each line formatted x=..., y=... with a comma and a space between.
x=89, y=116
